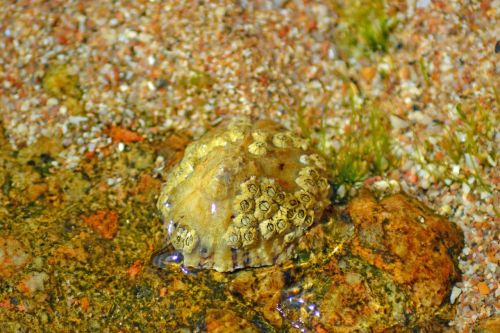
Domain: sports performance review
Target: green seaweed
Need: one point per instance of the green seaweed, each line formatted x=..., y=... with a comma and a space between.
x=363, y=27
x=366, y=146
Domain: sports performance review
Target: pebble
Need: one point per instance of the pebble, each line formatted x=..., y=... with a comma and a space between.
x=455, y=292
x=35, y=282
x=398, y=123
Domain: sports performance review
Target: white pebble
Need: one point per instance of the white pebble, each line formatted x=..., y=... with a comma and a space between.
x=422, y=3
x=465, y=188
x=76, y=120
x=52, y=102
x=398, y=123
x=492, y=267
x=420, y=117
x=455, y=292
x=381, y=186
x=341, y=191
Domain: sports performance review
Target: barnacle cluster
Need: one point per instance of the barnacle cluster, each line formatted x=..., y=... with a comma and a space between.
x=242, y=195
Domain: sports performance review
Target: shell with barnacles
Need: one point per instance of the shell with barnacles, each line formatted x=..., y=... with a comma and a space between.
x=242, y=196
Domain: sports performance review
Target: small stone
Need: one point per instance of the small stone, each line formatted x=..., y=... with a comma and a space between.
x=483, y=288
x=398, y=123
x=455, y=292
x=341, y=192
x=13, y=257
x=381, y=186
x=445, y=210
x=368, y=73
x=33, y=282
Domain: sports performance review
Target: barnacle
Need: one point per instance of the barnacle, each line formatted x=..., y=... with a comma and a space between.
x=290, y=203
x=190, y=241
x=245, y=220
x=280, y=222
x=232, y=237
x=318, y=161
x=245, y=203
x=184, y=239
x=267, y=229
x=305, y=198
x=260, y=136
x=269, y=188
x=279, y=197
x=282, y=140
x=251, y=186
x=314, y=160
x=257, y=148
x=264, y=208
x=307, y=183
x=309, y=172
x=299, y=142
x=248, y=236
x=242, y=195
x=299, y=216
x=293, y=235
x=177, y=238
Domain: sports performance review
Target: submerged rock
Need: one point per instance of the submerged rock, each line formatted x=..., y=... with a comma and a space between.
x=377, y=265
x=243, y=195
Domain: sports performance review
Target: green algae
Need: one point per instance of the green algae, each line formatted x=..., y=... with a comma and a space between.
x=60, y=83
x=363, y=27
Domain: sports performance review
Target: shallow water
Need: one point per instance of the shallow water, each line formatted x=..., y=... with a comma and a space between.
x=80, y=253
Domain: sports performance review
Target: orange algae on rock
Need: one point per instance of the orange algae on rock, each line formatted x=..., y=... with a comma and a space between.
x=404, y=238
x=242, y=195
x=104, y=222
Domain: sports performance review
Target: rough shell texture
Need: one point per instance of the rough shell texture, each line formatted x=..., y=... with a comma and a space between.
x=242, y=195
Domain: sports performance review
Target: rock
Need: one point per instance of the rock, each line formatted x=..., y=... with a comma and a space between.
x=378, y=265
x=225, y=320
x=488, y=325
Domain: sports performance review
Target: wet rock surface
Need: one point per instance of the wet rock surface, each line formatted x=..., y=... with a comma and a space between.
x=353, y=277
x=374, y=264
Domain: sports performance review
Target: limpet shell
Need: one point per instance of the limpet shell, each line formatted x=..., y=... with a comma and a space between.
x=242, y=196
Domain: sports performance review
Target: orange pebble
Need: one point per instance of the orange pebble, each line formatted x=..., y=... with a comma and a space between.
x=368, y=73
x=84, y=304
x=483, y=288
x=134, y=269
x=123, y=135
